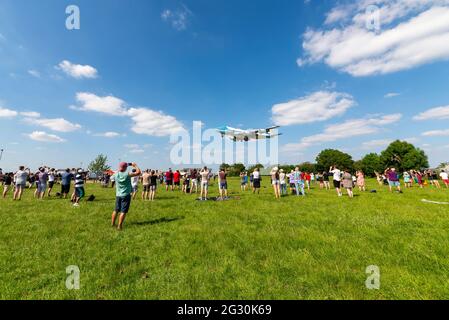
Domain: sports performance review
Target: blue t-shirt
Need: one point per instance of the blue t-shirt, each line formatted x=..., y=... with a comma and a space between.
x=66, y=177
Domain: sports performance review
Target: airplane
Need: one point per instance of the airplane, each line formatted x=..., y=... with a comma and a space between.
x=238, y=135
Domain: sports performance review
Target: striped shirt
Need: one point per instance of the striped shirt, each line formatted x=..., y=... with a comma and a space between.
x=79, y=181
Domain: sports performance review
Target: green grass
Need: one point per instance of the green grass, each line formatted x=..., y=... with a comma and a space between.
x=316, y=247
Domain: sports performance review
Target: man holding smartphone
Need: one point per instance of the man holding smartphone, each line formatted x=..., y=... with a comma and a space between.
x=123, y=192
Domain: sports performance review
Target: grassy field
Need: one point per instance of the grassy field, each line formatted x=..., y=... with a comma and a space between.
x=316, y=247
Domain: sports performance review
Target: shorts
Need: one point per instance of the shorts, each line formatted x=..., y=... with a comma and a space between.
x=153, y=187
x=243, y=183
x=194, y=182
x=256, y=183
x=122, y=204
x=51, y=184
x=177, y=183
x=337, y=184
x=275, y=182
x=204, y=185
x=394, y=183
x=79, y=192
x=168, y=182
x=20, y=185
x=446, y=181
x=146, y=187
x=223, y=185
x=65, y=188
x=135, y=188
x=41, y=187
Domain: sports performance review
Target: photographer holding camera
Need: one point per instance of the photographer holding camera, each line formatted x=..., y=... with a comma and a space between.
x=123, y=191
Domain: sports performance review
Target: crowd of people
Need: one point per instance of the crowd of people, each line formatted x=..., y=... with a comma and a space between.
x=197, y=181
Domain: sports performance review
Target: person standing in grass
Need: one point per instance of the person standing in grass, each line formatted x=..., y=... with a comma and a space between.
x=243, y=180
x=299, y=182
x=337, y=179
x=42, y=178
x=361, y=180
x=66, y=179
x=223, y=184
x=169, y=180
x=407, y=179
x=445, y=177
x=79, y=188
x=51, y=181
x=20, y=178
x=153, y=185
x=7, y=183
x=348, y=183
x=194, y=181
x=135, y=184
x=123, y=193
x=204, y=174
x=393, y=179
x=146, y=184
x=256, y=180
x=326, y=182
x=275, y=182
x=282, y=182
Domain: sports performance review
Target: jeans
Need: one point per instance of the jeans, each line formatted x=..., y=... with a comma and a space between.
x=299, y=187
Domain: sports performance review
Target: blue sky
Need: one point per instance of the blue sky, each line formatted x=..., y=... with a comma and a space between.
x=138, y=70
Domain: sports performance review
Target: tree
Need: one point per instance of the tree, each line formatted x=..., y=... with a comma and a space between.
x=331, y=157
x=404, y=156
x=252, y=168
x=307, y=167
x=370, y=164
x=99, y=165
x=225, y=167
x=287, y=167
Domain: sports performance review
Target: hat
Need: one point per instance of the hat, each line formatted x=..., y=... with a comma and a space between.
x=80, y=170
x=122, y=166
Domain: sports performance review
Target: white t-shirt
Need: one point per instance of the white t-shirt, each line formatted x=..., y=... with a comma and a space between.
x=444, y=175
x=21, y=177
x=134, y=181
x=337, y=174
x=256, y=175
x=282, y=178
x=51, y=177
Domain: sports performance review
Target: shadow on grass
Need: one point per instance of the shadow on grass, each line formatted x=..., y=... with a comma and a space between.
x=157, y=221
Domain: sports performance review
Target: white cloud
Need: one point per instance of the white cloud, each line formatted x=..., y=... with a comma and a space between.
x=45, y=137
x=34, y=73
x=434, y=114
x=137, y=151
x=109, y=105
x=153, y=123
x=146, y=121
x=179, y=19
x=319, y=106
x=392, y=95
x=78, y=71
x=436, y=133
x=132, y=146
x=59, y=124
x=345, y=130
x=373, y=144
x=7, y=113
x=414, y=32
x=109, y=134
x=30, y=114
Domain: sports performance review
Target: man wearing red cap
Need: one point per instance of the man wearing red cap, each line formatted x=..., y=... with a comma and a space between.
x=123, y=192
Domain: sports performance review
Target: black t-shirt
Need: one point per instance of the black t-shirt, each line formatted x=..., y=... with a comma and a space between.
x=325, y=176
x=8, y=180
x=153, y=180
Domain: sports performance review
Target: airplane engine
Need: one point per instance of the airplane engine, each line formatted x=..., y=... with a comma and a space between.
x=246, y=139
